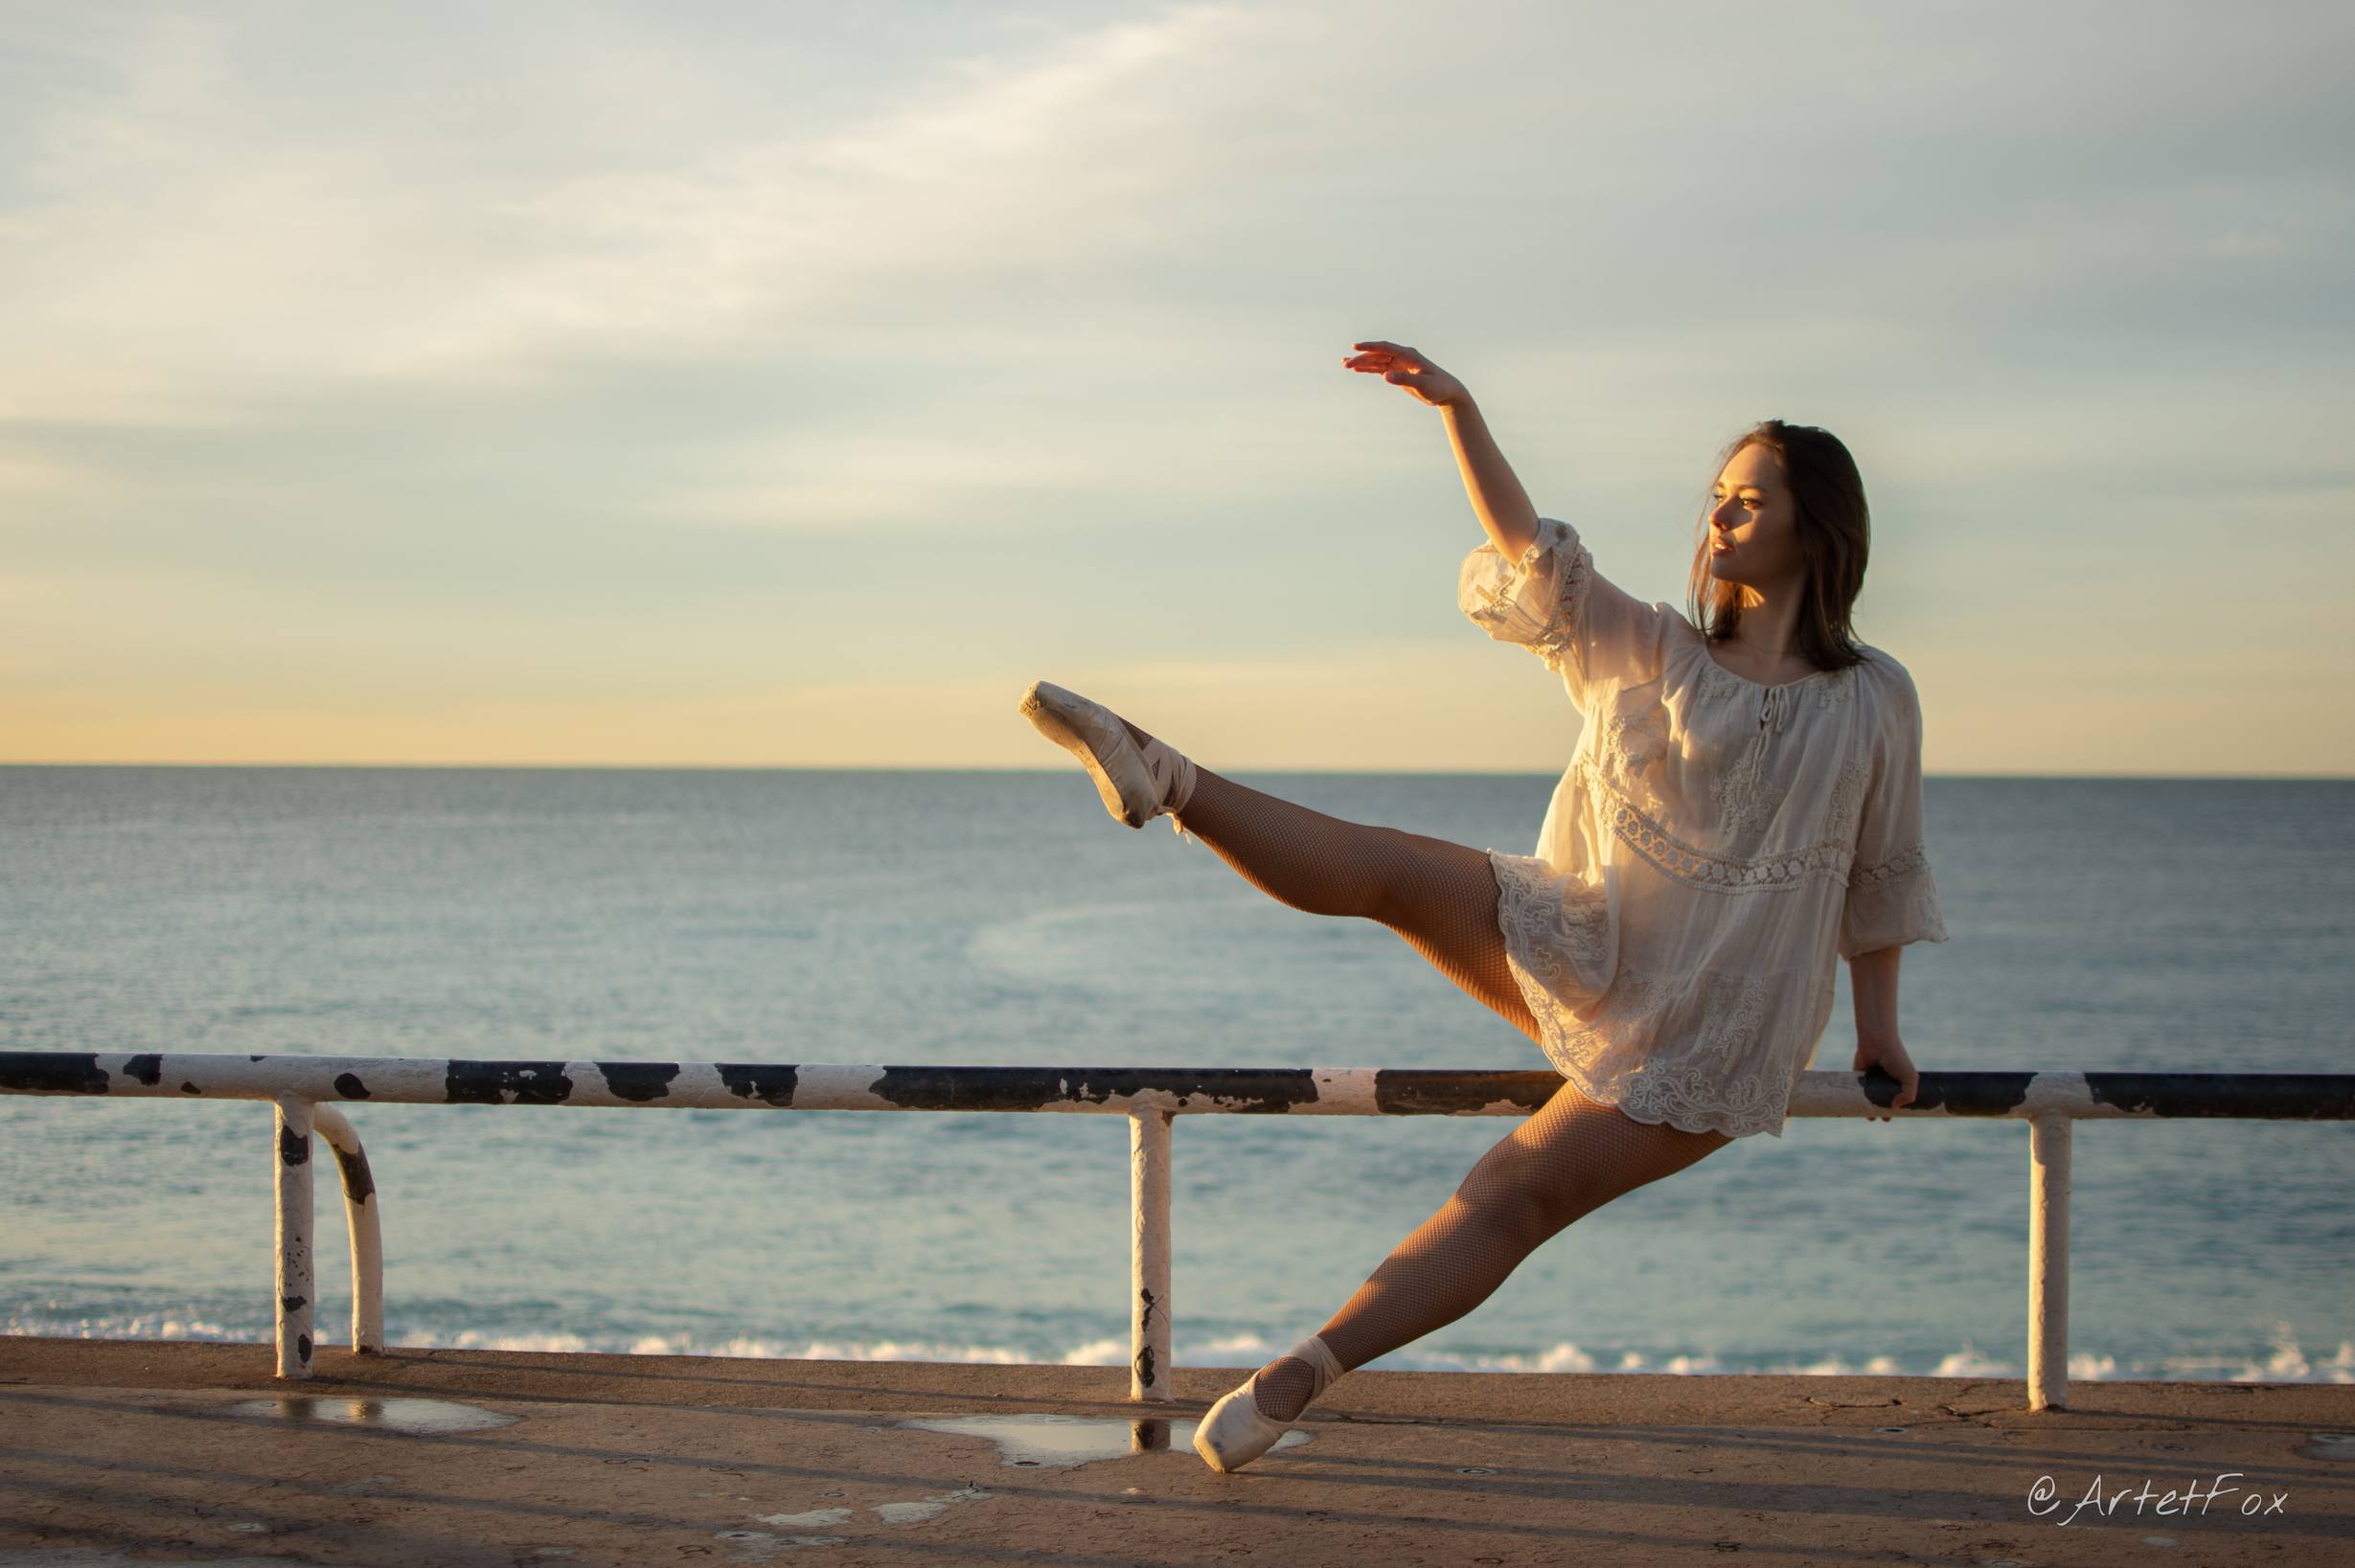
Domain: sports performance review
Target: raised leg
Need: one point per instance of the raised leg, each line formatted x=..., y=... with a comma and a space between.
x=1441, y=898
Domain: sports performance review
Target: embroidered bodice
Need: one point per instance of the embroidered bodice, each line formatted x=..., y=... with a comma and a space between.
x=1715, y=846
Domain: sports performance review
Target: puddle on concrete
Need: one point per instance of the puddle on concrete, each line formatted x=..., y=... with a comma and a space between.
x=916, y=1512
x=759, y=1545
x=814, y=1519
x=409, y=1417
x=1054, y=1442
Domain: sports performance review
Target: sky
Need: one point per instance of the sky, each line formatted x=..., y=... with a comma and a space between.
x=790, y=385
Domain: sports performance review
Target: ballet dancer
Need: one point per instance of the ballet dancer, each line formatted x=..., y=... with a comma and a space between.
x=1743, y=811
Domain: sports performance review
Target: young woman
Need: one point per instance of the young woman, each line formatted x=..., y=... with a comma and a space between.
x=1744, y=808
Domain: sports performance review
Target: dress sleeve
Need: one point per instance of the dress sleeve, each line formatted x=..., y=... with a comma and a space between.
x=1554, y=602
x=1891, y=899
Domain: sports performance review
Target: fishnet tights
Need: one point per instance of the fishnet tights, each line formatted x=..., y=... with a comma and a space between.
x=1567, y=1159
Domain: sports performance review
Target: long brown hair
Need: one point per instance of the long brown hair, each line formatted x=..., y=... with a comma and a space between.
x=1835, y=533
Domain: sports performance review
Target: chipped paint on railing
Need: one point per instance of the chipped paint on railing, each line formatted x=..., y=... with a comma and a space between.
x=303, y=1090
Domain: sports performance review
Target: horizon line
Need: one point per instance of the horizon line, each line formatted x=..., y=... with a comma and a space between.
x=880, y=768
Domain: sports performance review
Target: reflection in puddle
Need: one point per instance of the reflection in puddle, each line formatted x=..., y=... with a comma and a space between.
x=408, y=1415
x=759, y=1545
x=1054, y=1441
x=916, y=1512
x=814, y=1519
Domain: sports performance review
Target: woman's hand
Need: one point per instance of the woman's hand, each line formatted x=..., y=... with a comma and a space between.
x=1403, y=367
x=1889, y=1056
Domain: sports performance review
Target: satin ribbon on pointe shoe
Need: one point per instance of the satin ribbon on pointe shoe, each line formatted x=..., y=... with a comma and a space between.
x=1233, y=1432
x=1136, y=782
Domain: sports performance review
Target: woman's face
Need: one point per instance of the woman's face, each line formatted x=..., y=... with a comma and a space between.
x=1753, y=526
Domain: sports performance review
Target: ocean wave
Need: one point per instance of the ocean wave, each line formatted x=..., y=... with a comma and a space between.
x=2283, y=1362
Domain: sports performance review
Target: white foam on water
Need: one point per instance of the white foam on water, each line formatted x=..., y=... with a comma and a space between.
x=2285, y=1362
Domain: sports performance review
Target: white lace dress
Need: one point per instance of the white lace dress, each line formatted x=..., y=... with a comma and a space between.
x=1714, y=848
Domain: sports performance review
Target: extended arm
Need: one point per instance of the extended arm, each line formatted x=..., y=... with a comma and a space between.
x=1496, y=496
x=1533, y=582
x=1501, y=504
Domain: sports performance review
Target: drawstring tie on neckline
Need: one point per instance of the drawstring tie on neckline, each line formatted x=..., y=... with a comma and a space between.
x=1775, y=707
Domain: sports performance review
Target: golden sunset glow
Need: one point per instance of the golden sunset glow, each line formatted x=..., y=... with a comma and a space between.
x=734, y=391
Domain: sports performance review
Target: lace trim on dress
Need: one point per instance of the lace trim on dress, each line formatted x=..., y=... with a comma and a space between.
x=1694, y=1100
x=1674, y=857
x=1732, y=1079
x=1557, y=927
x=1556, y=641
x=1913, y=857
x=1890, y=904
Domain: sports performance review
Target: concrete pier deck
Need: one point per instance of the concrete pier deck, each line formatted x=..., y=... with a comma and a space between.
x=115, y=1452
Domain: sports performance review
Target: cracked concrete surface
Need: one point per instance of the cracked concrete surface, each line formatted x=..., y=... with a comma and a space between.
x=113, y=1453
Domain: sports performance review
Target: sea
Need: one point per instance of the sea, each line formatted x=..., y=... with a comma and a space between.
x=1003, y=918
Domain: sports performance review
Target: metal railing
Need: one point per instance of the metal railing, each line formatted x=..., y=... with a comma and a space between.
x=303, y=1089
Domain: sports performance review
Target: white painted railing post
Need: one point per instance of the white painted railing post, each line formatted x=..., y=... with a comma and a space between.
x=291, y=1156
x=359, y=1213
x=1149, y=1336
x=300, y=1088
x=2049, y=1151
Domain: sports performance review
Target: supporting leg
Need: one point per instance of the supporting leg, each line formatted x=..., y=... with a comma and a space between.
x=1565, y=1160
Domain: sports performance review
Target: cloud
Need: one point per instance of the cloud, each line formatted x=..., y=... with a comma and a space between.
x=181, y=242
x=622, y=347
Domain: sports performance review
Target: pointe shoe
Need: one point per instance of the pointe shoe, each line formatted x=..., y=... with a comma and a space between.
x=1233, y=1432
x=1136, y=784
